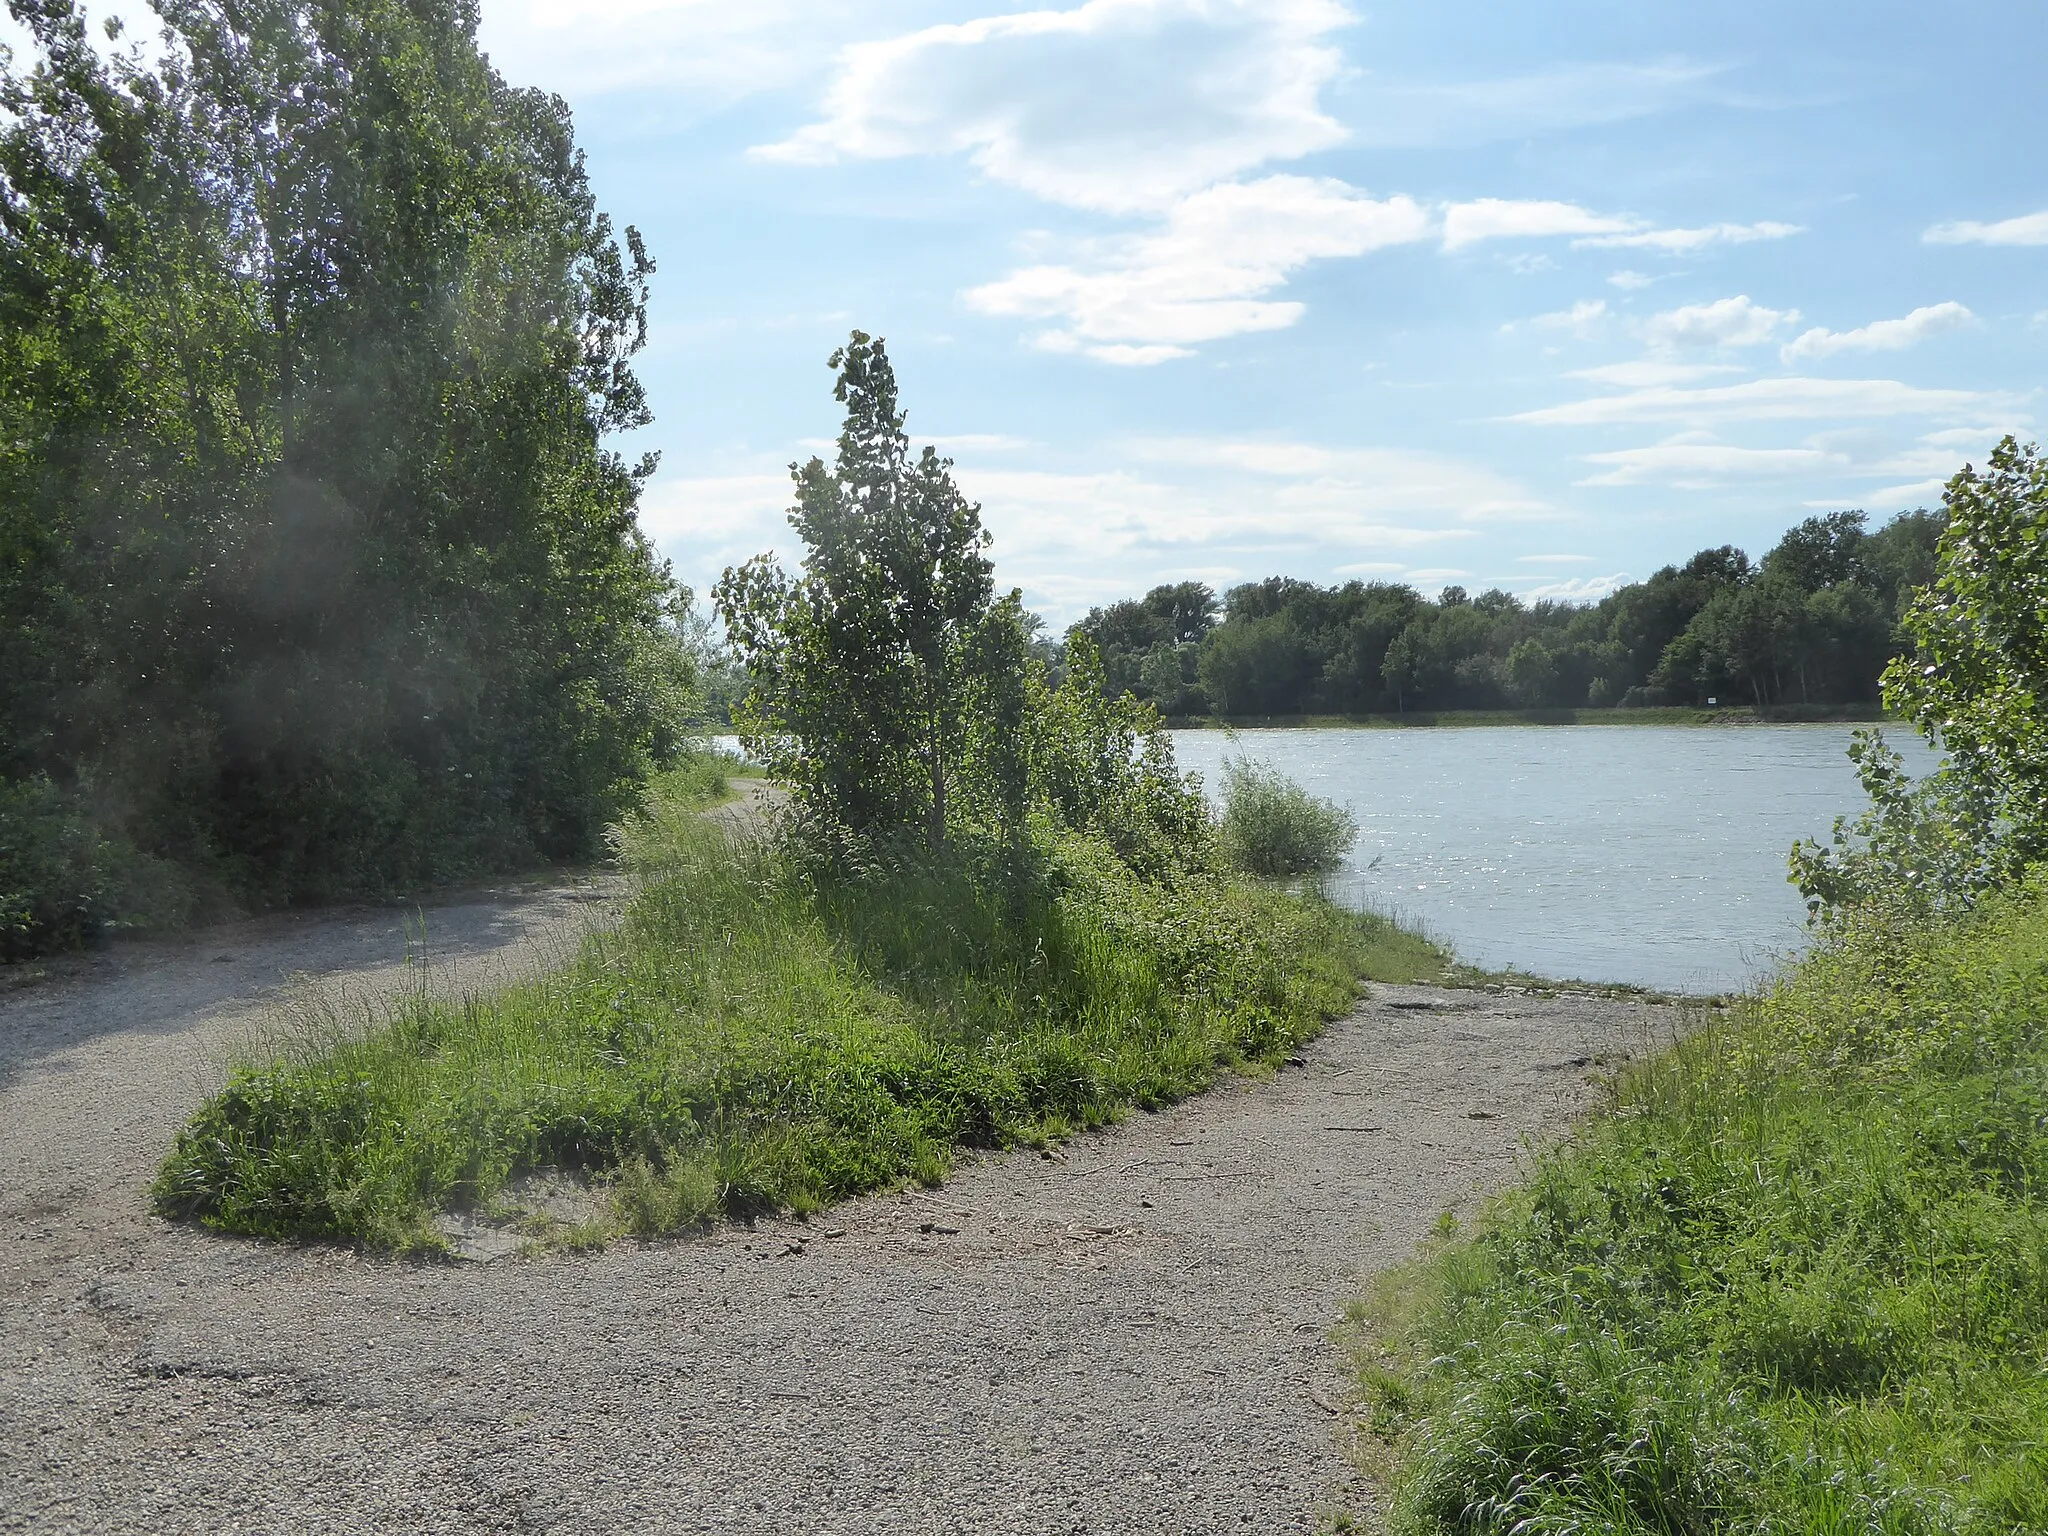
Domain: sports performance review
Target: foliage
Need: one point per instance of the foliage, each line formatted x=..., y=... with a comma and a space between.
x=887, y=681
x=902, y=701
x=1976, y=685
x=763, y=1031
x=1274, y=828
x=317, y=577
x=1812, y=624
x=1796, y=1280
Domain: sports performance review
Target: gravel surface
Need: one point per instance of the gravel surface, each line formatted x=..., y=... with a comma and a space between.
x=1132, y=1335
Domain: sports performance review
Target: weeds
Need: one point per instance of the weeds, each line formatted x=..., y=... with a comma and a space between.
x=1796, y=1280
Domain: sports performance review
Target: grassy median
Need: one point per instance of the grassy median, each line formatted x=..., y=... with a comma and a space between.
x=1795, y=1280
x=759, y=1034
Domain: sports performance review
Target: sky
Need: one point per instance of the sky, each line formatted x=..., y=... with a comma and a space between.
x=1538, y=297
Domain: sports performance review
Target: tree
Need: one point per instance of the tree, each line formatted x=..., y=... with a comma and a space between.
x=317, y=571
x=1975, y=685
x=886, y=677
x=1976, y=682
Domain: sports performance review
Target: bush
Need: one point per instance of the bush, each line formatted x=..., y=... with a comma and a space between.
x=1274, y=828
x=65, y=882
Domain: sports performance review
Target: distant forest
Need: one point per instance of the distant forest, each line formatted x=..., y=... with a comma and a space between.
x=1812, y=623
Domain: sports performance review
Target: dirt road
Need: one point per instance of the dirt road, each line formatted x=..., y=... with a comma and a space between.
x=1133, y=1337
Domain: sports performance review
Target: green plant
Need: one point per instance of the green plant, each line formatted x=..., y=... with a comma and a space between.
x=887, y=680
x=318, y=577
x=1976, y=685
x=1795, y=1280
x=769, y=1030
x=1274, y=828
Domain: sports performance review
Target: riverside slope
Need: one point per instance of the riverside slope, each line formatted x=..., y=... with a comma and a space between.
x=1132, y=1335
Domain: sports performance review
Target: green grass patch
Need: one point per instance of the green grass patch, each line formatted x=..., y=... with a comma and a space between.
x=759, y=1034
x=1795, y=1279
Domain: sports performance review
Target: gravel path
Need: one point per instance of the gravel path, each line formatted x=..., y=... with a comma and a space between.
x=1131, y=1336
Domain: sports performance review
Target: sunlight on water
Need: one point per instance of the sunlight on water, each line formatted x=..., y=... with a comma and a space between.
x=1646, y=854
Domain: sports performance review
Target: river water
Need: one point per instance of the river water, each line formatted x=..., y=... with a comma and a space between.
x=1645, y=854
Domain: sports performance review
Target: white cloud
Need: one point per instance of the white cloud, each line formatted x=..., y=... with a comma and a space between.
x=1684, y=241
x=1766, y=400
x=1881, y=335
x=1649, y=371
x=2027, y=229
x=1578, y=589
x=1371, y=568
x=1206, y=273
x=1553, y=559
x=1629, y=281
x=1494, y=218
x=1381, y=482
x=1117, y=105
x=1734, y=322
x=1585, y=319
x=1693, y=465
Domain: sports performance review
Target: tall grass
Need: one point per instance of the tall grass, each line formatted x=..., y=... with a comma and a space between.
x=1795, y=1280
x=760, y=1033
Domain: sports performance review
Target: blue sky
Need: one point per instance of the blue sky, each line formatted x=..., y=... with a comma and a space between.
x=1539, y=297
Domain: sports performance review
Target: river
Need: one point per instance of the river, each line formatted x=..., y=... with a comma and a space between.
x=1645, y=854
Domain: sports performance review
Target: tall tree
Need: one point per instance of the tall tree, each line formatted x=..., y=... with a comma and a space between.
x=886, y=676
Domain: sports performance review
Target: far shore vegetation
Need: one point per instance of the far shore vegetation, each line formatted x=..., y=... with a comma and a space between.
x=989, y=911
x=1794, y=1277
x=1810, y=626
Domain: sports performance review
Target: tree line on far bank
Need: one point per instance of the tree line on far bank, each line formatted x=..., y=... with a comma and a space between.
x=1814, y=622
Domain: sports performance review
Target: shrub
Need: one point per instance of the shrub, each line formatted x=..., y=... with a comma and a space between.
x=1274, y=828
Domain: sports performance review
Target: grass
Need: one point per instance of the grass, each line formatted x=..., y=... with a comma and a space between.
x=1795, y=1279
x=756, y=1035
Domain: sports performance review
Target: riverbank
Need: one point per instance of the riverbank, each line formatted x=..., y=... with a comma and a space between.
x=1795, y=1278
x=1785, y=714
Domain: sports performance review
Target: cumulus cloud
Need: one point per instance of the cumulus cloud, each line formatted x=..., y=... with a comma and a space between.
x=1495, y=218
x=1117, y=105
x=1629, y=281
x=1768, y=399
x=1685, y=241
x=2027, y=229
x=1206, y=273
x=1880, y=335
x=1732, y=322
